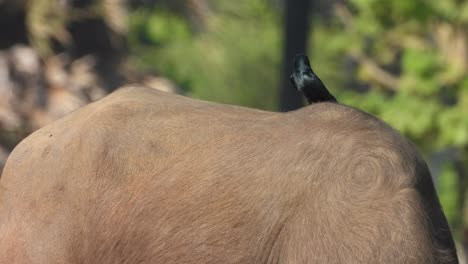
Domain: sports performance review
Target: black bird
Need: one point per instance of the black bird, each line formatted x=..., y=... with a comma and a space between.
x=307, y=82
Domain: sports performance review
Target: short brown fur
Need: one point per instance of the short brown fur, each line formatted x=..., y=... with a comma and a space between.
x=149, y=177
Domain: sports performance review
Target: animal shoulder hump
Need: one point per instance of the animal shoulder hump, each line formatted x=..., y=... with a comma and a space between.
x=131, y=103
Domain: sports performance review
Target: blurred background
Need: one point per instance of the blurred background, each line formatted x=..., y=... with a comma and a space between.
x=403, y=61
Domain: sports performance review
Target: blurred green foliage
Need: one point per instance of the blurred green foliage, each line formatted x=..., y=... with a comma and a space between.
x=404, y=61
x=449, y=198
x=235, y=60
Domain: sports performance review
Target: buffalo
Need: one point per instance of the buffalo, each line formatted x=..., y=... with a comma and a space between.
x=144, y=176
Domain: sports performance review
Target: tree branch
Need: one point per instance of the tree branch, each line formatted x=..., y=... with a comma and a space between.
x=377, y=73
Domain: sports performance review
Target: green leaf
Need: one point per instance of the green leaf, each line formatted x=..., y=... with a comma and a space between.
x=419, y=62
x=447, y=187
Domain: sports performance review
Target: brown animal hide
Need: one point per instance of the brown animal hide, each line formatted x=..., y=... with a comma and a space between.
x=144, y=176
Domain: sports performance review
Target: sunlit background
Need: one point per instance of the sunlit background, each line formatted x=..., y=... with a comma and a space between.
x=402, y=60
